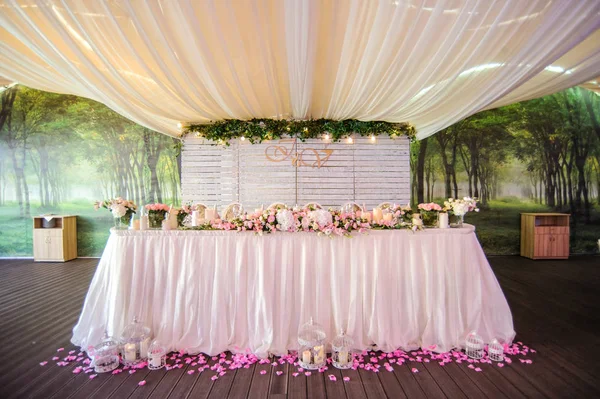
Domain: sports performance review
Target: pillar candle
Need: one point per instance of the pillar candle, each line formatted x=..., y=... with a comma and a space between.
x=377, y=215
x=135, y=224
x=343, y=357
x=155, y=359
x=195, y=218
x=387, y=217
x=144, y=347
x=173, y=219
x=443, y=220
x=306, y=357
x=367, y=216
x=144, y=222
x=210, y=214
x=130, y=353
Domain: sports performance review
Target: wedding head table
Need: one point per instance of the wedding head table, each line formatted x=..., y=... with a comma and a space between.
x=212, y=291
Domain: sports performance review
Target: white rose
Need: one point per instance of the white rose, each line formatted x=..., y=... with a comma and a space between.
x=285, y=218
x=118, y=210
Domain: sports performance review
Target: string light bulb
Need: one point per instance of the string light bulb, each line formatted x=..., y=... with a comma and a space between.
x=326, y=136
x=179, y=125
x=350, y=140
x=373, y=137
x=243, y=138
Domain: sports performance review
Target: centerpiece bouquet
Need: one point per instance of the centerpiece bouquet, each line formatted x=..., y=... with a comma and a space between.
x=121, y=209
x=429, y=213
x=460, y=207
x=156, y=214
x=183, y=212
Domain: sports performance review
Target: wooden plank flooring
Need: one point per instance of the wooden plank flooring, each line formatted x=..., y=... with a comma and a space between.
x=555, y=304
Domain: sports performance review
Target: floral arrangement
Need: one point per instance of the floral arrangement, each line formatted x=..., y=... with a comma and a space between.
x=429, y=212
x=156, y=214
x=183, y=212
x=120, y=208
x=461, y=207
x=329, y=222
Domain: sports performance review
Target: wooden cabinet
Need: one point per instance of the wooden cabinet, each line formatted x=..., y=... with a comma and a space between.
x=55, y=244
x=545, y=235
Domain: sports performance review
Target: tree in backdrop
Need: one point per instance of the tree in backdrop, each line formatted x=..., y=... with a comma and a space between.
x=45, y=135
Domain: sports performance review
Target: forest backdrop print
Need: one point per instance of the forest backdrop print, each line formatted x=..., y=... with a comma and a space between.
x=60, y=153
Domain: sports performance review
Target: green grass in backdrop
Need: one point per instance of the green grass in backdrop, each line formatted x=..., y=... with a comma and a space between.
x=498, y=228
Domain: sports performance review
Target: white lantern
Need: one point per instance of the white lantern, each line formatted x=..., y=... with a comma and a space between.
x=105, y=355
x=135, y=340
x=311, y=337
x=157, y=355
x=474, y=345
x=496, y=351
x=341, y=351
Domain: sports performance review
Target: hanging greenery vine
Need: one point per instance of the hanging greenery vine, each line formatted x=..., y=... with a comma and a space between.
x=258, y=130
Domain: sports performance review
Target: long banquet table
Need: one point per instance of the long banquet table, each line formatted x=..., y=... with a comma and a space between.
x=211, y=291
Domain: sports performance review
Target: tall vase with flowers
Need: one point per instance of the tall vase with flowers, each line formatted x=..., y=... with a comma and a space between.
x=121, y=209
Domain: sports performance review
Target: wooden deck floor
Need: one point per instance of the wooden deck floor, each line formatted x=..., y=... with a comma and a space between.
x=556, y=308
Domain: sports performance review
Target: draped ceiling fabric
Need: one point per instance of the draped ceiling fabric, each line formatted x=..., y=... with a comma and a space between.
x=430, y=63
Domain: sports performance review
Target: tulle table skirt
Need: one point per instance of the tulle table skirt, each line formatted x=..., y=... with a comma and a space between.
x=212, y=291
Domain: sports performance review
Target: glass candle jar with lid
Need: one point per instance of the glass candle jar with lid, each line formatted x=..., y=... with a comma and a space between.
x=135, y=341
x=311, y=338
x=342, y=351
x=105, y=355
x=157, y=355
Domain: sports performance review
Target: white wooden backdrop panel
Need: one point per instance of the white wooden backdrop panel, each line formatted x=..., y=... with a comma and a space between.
x=365, y=171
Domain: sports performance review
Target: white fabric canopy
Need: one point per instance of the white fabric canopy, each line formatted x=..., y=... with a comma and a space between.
x=430, y=63
x=212, y=291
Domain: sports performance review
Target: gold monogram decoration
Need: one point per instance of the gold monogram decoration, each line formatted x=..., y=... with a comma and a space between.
x=287, y=149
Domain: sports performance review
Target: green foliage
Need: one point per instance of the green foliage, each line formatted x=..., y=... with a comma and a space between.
x=258, y=130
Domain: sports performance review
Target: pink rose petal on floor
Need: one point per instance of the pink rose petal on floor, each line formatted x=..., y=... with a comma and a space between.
x=279, y=372
x=295, y=374
x=346, y=379
x=500, y=364
x=332, y=377
x=60, y=349
x=142, y=383
x=190, y=372
x=55, y=358
x=214, y=378
x=93, y=376
x=477, y=369
x=308, y=373
x=43, y=363
x=131, y=371
x=414, y=370
x=471, y=366
x=263, y=372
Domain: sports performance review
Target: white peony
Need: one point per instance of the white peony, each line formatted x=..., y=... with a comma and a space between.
x=321, y=216
x=118, y=210
x=460, y=208
x=285, y=219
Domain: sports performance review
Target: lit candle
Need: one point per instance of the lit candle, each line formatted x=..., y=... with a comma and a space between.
x=195, y=218
x=173, y=219
x=306, y=357
x=319, y=354
x=387, y=217
x=343, y=357
x=130, y=353
x=443, y=220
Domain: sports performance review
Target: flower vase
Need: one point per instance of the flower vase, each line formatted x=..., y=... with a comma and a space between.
x=429, y=218
x=155, y=219
x=459, y=221
x=123, y=222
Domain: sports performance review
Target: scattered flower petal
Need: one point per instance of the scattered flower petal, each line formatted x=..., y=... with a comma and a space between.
x=142, y=383
x=346, y=379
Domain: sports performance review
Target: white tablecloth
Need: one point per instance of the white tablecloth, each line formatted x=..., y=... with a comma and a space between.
x=212, y=291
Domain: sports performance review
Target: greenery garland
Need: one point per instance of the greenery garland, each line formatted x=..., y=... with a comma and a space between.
x=258, y=130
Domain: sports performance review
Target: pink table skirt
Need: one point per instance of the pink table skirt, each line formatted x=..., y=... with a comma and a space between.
x=212, y=291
